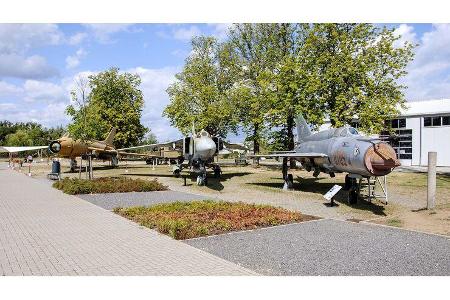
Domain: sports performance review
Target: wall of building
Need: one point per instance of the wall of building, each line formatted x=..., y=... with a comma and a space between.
x=415, y=125
x=436, y=139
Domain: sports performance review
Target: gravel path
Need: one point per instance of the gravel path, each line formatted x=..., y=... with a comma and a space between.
x=112, y=200
x=332, y=247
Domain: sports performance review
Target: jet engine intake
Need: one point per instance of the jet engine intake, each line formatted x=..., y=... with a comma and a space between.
x=54, y=147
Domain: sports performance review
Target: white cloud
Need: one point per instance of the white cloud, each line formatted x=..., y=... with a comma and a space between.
x=103, y=32
x=180, y=32
x=220, y=30
x=153, y=86
x=7, y=89
x=186, y=34
x=19, y=38
x=406, y=34
x=429, y=73
x=35, y=66
x=48, y=115
x=77, y=38
x=44, y=92
x=73, y=61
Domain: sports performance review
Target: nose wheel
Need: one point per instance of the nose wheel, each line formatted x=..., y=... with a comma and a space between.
x=176, y=171
x=351, y=184
x=202, y=180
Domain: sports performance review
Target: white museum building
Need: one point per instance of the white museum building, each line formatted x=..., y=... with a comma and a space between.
x=424, y=126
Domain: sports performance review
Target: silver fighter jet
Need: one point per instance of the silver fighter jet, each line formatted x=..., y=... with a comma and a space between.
x=198, y=150
x=338, y=150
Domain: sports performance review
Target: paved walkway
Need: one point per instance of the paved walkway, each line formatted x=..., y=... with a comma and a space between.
x=45, y=232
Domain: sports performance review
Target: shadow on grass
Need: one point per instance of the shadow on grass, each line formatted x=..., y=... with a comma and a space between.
x=316, y=186
x=213, y=183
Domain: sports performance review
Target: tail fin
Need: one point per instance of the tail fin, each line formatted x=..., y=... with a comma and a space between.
x=109, y=139
x=302, y=128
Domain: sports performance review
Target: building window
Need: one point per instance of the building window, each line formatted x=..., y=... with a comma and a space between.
x=396, y=123
x=436, y=121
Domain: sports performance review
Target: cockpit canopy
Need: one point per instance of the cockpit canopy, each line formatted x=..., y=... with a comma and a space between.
x=203, y=133
x=345, y=131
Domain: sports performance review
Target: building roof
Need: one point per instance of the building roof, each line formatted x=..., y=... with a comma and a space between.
x=426, y=107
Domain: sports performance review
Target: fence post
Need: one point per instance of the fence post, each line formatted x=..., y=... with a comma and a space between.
x=431, y=183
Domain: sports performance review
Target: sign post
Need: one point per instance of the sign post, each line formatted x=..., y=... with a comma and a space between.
x=431, y=182
x=330, y=194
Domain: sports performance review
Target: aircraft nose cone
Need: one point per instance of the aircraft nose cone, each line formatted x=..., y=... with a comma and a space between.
x=205, y=147
x=380, y=159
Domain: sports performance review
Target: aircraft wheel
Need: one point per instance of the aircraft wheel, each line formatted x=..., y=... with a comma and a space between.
x=349, y=183
x=200, y=180
x=176, y=172
x=217, y=172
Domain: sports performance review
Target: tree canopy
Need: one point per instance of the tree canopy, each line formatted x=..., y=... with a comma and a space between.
x=199, y=95
x=27, y=134
x=113, y=100
x=263, y=75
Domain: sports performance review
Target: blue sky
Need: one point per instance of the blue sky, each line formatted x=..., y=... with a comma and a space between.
x=38, y=64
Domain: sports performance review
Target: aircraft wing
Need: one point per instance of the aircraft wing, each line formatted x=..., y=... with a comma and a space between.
x=20, y=149
x=102, y=150
x=168, y=144
x=124, y=153
x=234, y=146
x=291, y=154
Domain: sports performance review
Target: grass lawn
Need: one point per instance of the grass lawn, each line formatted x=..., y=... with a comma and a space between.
x=184, y=220
x=75, y=186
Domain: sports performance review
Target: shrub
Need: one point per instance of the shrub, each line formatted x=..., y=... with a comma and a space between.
x=107, y=185
x=182, y=220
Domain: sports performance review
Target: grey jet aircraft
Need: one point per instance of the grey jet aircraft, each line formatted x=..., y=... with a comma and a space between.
x=198, y=150
x=338, y=150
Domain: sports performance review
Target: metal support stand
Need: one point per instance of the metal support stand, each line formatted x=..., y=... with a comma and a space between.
x=370, y=188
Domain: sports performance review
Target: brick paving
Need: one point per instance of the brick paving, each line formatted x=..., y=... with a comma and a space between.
x=45, y=232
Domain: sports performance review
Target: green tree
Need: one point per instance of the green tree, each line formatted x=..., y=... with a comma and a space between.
x=21, y=137
x=114, y=100
x=354, y=73
x=200, y=93
x=250, y=61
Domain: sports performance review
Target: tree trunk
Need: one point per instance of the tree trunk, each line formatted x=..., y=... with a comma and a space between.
x=255, y=139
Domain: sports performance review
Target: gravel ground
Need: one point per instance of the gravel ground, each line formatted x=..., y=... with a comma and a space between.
x=112, y=200
x=332, y=247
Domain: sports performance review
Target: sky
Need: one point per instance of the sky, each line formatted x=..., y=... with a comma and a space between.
x=39, y=63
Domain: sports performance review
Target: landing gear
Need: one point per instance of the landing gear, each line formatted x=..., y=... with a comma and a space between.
x=73, y=164
x=176, y=171
x=217, y=172
x=114, y=161
x=351, y=185
x=202, y=179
